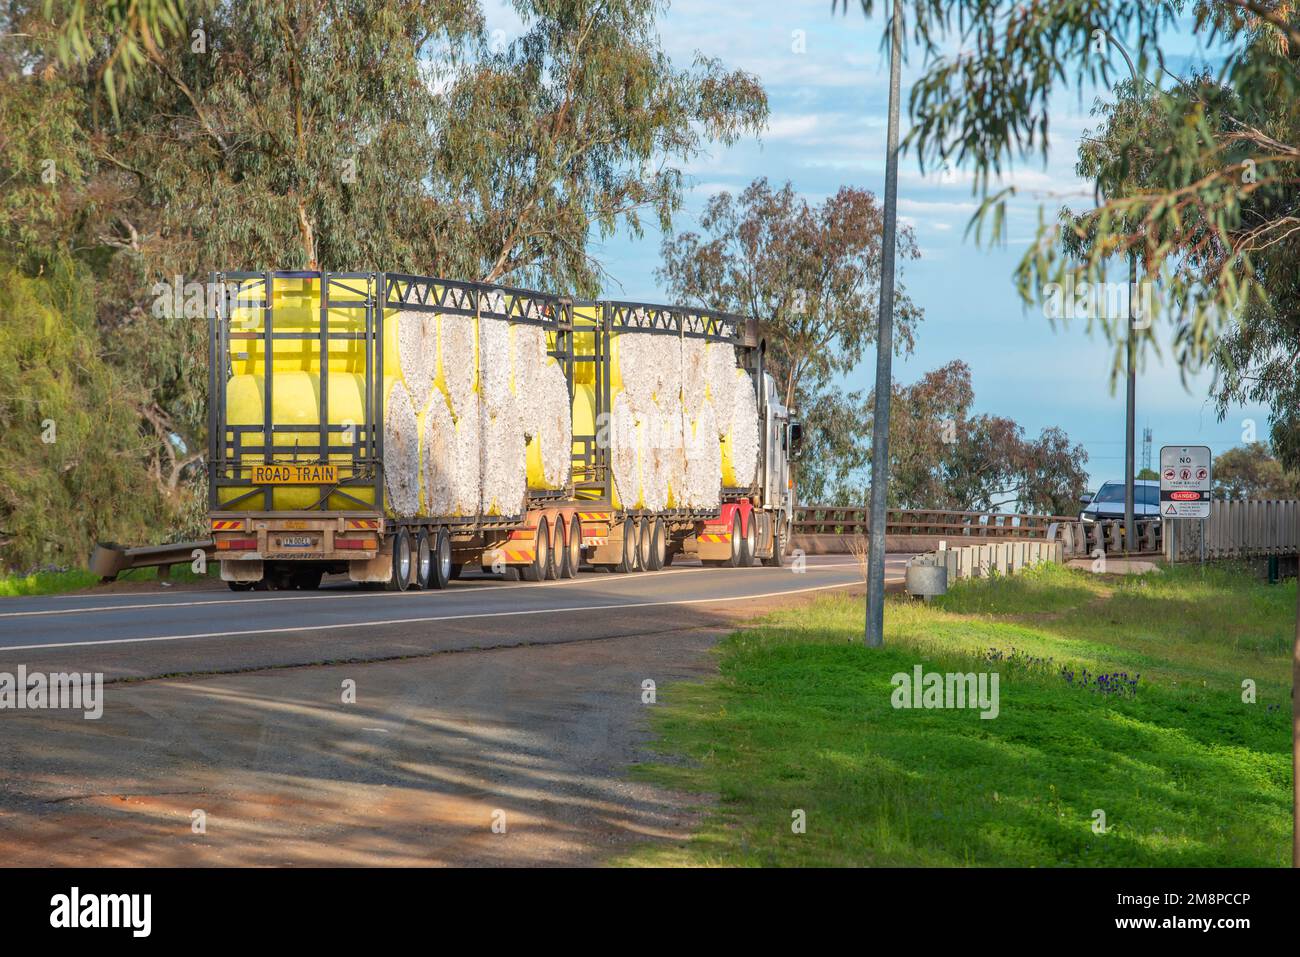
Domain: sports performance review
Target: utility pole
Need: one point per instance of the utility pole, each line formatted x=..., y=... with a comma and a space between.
x=1130, y=404
x=875, y=637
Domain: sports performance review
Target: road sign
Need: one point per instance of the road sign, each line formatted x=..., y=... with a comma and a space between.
x=1185, y=476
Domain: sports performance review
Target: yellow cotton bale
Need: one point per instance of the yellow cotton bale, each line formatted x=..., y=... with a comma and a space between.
x=296, y=308
x=295, y=400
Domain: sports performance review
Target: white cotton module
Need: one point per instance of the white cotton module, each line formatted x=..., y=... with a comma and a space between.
x=494, y=366
x=625, y=452
x=417, y=352
x=504, y=464
x=694, y=373
x=704, y=461
x=467, y=476
x=550, y=450
x=456, y=360
x=740, y=443
x=438, y=454
x=721, y=378
x=527, y=360
x=401, y=452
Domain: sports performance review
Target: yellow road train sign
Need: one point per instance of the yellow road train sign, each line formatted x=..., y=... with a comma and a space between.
x=295, y=474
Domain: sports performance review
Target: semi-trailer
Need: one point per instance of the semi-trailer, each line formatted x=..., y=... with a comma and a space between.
x=306, y=477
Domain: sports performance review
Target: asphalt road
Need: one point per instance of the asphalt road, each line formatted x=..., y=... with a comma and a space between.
x=185, y=631
x=488, y=703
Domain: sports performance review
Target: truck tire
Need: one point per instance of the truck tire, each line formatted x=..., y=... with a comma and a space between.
x=553, y=554
x=240, y=586
x=571, y=557
x=778, y=548
x=456, y=569
x=423, y=561
x=656, y=551
x=441, y=566
x=401, y=574
x=535, y=571
x=631, y=560
x=749, y=543
x=737, y=543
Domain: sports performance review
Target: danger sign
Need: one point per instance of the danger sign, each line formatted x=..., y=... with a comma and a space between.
x=1185, y=480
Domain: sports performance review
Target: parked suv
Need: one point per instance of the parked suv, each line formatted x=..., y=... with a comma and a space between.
x=1109, y=501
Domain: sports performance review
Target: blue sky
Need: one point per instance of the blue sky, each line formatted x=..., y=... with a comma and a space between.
x=827, y=129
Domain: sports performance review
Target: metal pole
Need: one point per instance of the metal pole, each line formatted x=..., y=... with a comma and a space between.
x=875, y=636
x=1130, y=410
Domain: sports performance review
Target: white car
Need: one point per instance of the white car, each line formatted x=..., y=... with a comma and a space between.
x=1108, y=503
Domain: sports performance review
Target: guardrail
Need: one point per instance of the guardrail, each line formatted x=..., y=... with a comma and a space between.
x=1259, y=528
x=1086, y=539
x=836, y=520
x=109, y=560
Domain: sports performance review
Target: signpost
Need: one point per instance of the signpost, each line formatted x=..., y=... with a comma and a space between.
x=1186, y=472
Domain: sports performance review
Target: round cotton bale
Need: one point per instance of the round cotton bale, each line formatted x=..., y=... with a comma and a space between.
x=457, y=362
x=704, y=461
x=549, y=449
x=694, y=376
x=401, y=452
x=438, y=457
x=720, y=360
x=504, y=463
x=417, y=352
x=740, y=444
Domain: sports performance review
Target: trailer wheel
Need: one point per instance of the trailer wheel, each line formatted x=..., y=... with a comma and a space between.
x=749, y=543
x=631, y=560
x=778, y=548
x=440, y=560
x=423, y=561
x=572, y=554
x=535, y=571
x=654, y=550
x=240, y=586
x=456, y=568
x=554, y=553
x=401, y=574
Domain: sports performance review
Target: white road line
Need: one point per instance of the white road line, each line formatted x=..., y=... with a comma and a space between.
x=415, y=621
x=383, y=596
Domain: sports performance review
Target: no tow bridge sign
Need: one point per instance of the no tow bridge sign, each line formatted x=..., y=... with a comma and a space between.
x=1185, y=475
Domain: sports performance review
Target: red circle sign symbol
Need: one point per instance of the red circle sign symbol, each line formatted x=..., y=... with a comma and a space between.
x=1185, y=474
x=1169, y=473
x=1200, y=474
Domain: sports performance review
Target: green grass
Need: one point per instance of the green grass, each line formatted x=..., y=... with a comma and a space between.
x=1185, y=772
x=52, y=583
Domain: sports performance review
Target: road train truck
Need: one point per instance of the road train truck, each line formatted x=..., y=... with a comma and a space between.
x=399, y=428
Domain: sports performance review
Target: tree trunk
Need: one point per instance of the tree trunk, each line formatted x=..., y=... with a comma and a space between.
x=1295, y=737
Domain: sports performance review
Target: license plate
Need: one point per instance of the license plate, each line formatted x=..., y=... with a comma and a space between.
x=295, y=474
x=297, y=541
